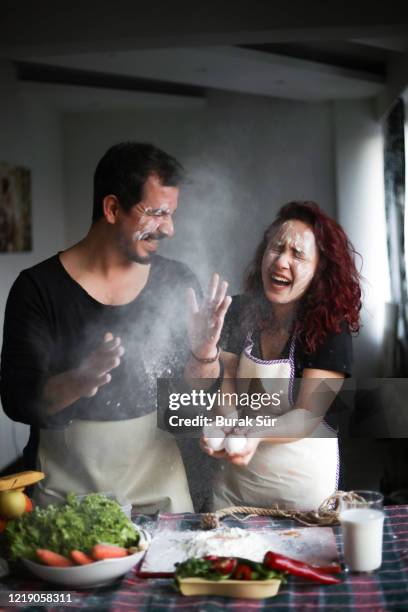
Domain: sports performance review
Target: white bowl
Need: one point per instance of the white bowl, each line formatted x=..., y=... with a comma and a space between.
x=95, y=574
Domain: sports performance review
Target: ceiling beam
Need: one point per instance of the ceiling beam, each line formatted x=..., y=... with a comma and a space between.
x=39, y=73
x=47, y=27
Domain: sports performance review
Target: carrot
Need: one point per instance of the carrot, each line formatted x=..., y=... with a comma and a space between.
x=48, y=557
x=107, y=551
x=81, y=558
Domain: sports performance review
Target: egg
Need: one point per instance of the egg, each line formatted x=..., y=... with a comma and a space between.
x=234, y=445
x=215, y=437
x=216, y=444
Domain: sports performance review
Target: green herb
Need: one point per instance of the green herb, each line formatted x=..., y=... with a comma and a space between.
x=76, y=525
x=194, y=567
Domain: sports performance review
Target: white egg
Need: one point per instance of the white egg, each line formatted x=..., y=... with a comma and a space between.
x=214, y=437
x=216, y=444
x=235, y=446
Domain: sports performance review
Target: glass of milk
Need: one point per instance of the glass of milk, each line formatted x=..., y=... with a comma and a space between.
x=362, y=523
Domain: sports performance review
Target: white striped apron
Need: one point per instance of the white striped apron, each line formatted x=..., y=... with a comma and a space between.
x=296, y=475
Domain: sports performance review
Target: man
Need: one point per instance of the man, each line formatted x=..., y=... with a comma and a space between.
x=88, y=332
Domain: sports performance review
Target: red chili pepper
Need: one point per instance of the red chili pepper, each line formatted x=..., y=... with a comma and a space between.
x=242, y=572
x=297, y=568
x=326, y=569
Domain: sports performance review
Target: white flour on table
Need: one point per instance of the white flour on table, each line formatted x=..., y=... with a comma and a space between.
x=312, y=544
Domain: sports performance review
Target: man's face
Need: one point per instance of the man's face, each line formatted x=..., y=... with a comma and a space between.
x=148, y=221
x=289, y=262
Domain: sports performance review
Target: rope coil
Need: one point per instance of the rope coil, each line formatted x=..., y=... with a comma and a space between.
x=326, y=515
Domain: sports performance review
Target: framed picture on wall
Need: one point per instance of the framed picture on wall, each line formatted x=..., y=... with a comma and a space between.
x=15, y=208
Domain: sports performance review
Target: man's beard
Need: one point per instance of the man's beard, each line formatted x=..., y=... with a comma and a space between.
x=131, y=255
x=135, y=258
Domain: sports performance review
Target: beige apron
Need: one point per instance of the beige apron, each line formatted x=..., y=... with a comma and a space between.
x=132, y=459
x=297, y=475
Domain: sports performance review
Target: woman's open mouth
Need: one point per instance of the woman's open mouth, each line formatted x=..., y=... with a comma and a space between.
x=280, y=281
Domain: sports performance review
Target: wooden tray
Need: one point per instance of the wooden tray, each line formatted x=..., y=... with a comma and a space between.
x=316, y=545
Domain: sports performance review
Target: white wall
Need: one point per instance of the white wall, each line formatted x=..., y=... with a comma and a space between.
x=361, y=211
x=245, y=156
x=31, y=137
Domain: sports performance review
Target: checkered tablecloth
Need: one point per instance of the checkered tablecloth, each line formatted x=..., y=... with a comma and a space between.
x=386, y=589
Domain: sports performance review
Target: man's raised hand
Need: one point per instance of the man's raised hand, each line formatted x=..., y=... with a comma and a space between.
x=205, y=321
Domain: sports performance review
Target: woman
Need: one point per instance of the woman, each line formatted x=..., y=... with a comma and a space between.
x=301, y=302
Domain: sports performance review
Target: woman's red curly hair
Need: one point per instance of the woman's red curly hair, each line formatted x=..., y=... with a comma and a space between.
x=333, y=298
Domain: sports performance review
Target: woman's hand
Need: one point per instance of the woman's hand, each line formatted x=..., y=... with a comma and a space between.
x=205, y=322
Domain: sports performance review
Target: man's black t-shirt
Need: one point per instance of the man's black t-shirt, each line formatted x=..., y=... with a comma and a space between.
x=52, y=323
x=335, y=354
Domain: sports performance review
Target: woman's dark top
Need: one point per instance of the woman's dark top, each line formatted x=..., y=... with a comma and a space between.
x=335, y=354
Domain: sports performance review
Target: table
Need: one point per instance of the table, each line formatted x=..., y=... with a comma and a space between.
x=386, y=589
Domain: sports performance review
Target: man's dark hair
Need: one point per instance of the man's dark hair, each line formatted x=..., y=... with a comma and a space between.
x=124, y=169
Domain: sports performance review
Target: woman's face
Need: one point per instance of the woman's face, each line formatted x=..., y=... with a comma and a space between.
x=289, y=262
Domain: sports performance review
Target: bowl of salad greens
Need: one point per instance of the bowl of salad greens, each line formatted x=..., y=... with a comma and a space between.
x=86, y=542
